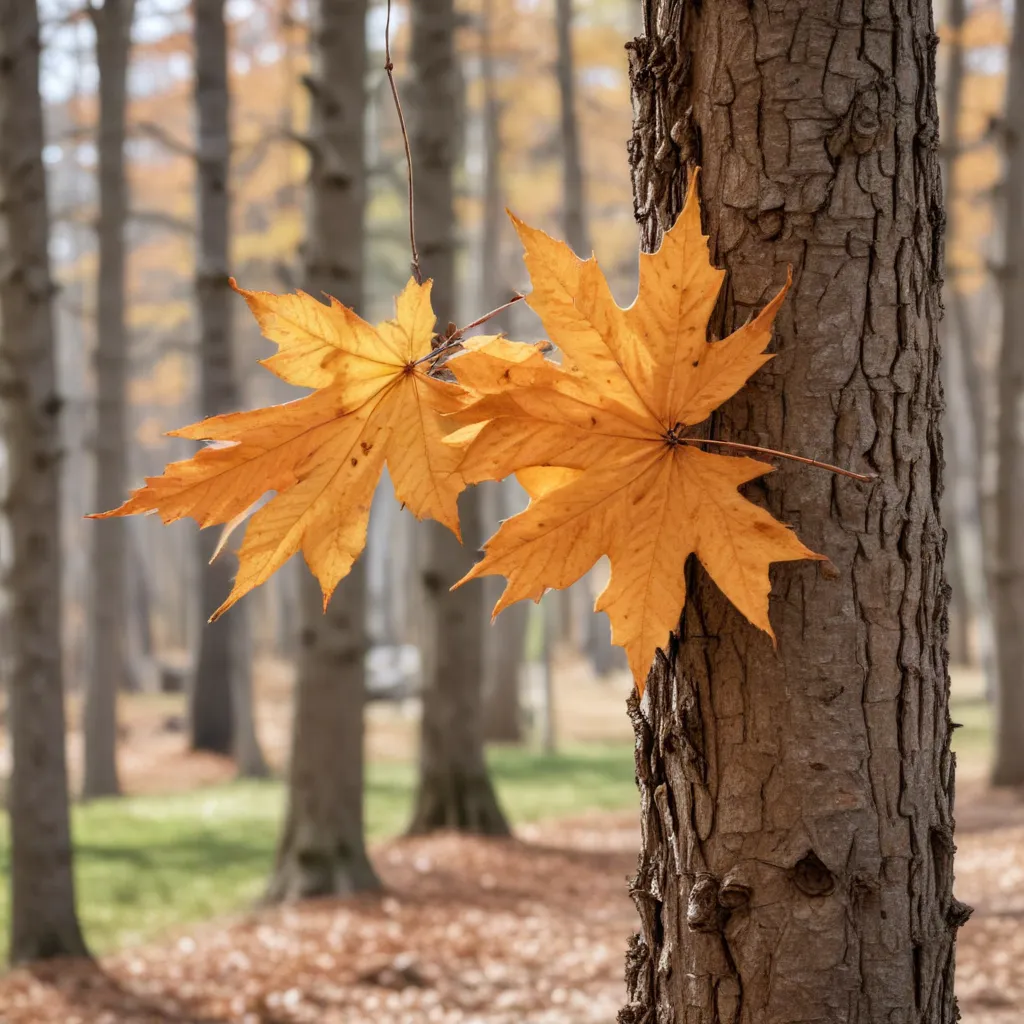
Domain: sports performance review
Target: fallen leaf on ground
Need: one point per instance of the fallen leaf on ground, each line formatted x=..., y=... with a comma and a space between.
x=528, y=931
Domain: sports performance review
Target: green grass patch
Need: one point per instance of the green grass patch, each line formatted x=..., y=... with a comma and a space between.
x=972, y=741
x=146, y=864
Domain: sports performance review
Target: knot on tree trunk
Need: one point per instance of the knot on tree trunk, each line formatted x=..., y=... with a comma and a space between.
x=811, y=876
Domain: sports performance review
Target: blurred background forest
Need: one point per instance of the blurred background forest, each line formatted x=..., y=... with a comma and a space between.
x=179, y=761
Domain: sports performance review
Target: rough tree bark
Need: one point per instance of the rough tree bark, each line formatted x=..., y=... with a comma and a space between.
x=1009, y=574
x=796, y=804
x=322, y=847
x=220, y=712
x=43, y=919
x=454, y=789
x=109, y=664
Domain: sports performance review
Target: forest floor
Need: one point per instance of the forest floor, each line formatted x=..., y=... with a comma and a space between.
x=471, y=931
x=474, y=931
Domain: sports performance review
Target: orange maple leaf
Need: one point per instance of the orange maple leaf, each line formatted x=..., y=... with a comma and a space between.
x=322, y=454
x=601, y=443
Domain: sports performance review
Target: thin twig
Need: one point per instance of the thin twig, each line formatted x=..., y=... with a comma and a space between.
x=390, y=69
x=454, y=340
x=862, y=477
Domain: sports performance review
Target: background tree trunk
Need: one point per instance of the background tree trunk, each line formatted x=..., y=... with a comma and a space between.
x=574, y=608
x=574, y=220
x=504, y=640
x=967, y=561
x=796, y=805
x=109, y=665
x=503, y=654
x=322, y=847
x=454, y=789
x=43, y=919
x=1009, y=575
x=220, y=699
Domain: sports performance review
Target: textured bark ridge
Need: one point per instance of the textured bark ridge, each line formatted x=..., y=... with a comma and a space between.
x=797, y=830
x=43, y=921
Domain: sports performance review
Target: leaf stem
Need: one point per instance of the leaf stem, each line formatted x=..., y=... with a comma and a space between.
x=389, y=67
x=862, y=477
x=455, y=339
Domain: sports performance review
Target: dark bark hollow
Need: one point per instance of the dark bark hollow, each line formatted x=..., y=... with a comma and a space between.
x=796, y=804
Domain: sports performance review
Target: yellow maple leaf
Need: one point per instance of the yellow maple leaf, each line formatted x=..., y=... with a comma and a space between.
x=322, y=454
x=600, y=443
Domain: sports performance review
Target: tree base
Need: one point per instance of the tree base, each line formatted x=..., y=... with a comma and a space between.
x=313, y=872
x=66, y=941
x=458, y=802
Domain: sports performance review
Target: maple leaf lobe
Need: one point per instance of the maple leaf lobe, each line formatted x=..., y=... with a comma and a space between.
x=322, y=455
x=613, y=417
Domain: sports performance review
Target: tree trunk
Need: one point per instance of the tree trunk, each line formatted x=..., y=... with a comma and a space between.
x=574, y=221
x=1009, y=575
x=796, y=804
x=322, y=848
x=220, y=699
x=568, y=604
x=454, y=790
x=494, y=288
x=43, y=919
x=967, y=551
x=109, y=665
x=958, y=643
x=503, y=654
x=504, y=641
